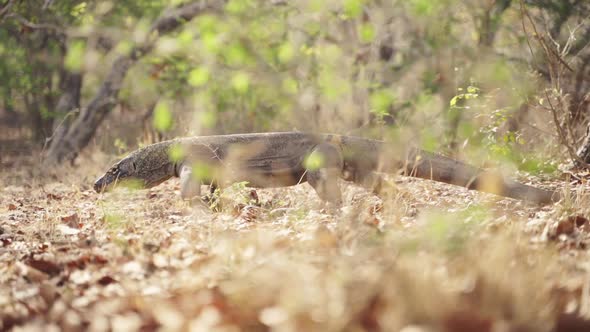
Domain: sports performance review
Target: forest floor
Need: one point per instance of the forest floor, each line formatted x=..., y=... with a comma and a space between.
x=431, y=257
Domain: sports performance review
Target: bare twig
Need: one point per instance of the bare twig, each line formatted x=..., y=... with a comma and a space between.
x=555, y=62
x=562, y=136
x=35, y=26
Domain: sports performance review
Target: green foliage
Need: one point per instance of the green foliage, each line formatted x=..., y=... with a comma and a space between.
x=121, y=146
x=472, y=93
x=257, y=66
x=508, y=146
x=33, y=59
x=493, y=138
x=79, y=9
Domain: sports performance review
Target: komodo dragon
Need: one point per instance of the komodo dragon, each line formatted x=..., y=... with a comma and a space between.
x=289, y=158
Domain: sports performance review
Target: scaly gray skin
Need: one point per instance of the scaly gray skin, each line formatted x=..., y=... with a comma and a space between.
x=279, y=159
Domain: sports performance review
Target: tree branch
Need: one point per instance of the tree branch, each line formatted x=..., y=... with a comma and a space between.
x=84, y=126
x=6, y=8
x=35, y=26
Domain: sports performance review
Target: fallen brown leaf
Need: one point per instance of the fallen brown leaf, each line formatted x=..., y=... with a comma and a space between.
x=465, y=320
x=106, y=280
x=31, y=273
x=568, y=225
x=72, y=220
x=49, y=267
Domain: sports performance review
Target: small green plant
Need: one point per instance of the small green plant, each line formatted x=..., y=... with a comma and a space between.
x=494, y=137
x=449, y=232
x=504, y=144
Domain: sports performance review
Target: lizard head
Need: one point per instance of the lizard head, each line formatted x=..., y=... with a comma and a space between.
x=146, y=167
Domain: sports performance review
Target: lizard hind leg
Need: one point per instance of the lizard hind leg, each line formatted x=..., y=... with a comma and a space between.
x=324, y=176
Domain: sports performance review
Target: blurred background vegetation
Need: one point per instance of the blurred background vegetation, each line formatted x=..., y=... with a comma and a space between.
x=483, y=80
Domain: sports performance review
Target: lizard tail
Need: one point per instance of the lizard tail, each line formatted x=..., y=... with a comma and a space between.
x=427, y=165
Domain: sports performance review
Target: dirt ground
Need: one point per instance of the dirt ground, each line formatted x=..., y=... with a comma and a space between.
x=431, y=257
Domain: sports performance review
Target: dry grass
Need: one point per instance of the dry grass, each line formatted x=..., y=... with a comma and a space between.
x=431, y=258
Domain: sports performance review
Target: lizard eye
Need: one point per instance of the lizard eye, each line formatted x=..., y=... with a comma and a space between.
x=133, y=166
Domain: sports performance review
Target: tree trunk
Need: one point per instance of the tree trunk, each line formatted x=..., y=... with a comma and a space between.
x=79, y=134
x=36, y=120
x=68, y=103
x=76, y=137
x=489, y=22
x=584, y=151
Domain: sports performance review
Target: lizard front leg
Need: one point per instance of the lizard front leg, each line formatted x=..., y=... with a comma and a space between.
x=323, y=176
x=190, y=188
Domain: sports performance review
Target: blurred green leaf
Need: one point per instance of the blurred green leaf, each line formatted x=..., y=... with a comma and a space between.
x=211, y=41
x=133, y=184
x=290, y=85
x=380, y=101
x=423, y=7
x=353, y=8
x=202, y=172
x=236, y=54
x=162, y=117
x=237, y=6
x=367, y=32
x=241, y=82
x=185, y=38
x=208, y=119
x=314, y=161
x=176, y=153
x=316, y=5
x=472, y=89
x=286, y=52
x=75, y=56
x=79, y=9
x=198, y=76
x=124, y=47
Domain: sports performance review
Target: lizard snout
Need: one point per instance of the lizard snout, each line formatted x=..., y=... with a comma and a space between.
x=99, y=185
x=103, y=183
x=107, y=181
